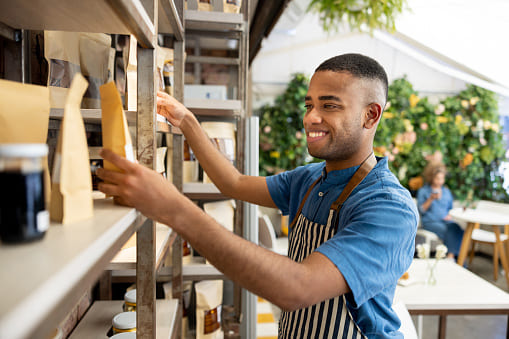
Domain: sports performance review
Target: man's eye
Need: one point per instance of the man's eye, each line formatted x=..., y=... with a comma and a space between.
x=329, y=106
x=308, y=106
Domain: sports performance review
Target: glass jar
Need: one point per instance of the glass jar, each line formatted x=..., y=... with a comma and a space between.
x=129, y=301
x=124, y=322
x=23, y=213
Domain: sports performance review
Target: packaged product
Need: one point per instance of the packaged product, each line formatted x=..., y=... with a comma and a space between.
x=232, y=6
x=222, y=135
x=222, y=211
x=115, y=132
x=209, y=296
x=132, y=75
x=95, y=58
x=191, y=167
x=204, y=5
x=164, y=56
x=24, y=118
x=71, y=194
x=62, y=51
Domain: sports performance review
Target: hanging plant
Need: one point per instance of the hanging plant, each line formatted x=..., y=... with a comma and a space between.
x=360, y=14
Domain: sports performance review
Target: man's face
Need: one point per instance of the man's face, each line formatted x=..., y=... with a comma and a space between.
x=334, y=115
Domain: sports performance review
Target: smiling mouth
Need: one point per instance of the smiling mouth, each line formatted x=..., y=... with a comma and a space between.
x=316, y=135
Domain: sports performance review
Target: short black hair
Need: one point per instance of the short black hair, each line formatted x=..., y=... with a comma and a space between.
x=358, y=65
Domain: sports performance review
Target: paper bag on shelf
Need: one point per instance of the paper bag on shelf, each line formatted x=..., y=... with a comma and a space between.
x=222, y=135
x=24, y=118
x=163, y=56
x=132, y=75
x=222, y=211
x=94, y=63
x=115, y=132
x=71, y=195
x=204, y=5
x=62, y=51
x=232, y=6
x=209, y=296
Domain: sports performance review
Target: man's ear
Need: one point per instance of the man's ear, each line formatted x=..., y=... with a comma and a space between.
x=373, y=115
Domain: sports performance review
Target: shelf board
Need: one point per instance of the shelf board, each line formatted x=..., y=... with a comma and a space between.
x=212, y=60
x=126, y=257
x=169, y=20
x=214, y=107
x=213, y=21
x=97, y=321
x=42, y=280
x=199, y=191
x=99, y=16
x=195, y=270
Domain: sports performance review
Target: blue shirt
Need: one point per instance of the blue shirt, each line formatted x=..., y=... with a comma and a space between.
x=375, y=241
x=438, y=209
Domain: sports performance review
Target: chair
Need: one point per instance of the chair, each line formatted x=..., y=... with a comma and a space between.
x=267, y=236
x=480, y=236
x=426, y=237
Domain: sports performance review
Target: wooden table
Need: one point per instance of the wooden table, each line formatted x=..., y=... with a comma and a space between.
x=457, y=291
x=476, y=217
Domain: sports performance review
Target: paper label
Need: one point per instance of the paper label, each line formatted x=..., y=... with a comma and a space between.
x=42, y=221
x=212, y=320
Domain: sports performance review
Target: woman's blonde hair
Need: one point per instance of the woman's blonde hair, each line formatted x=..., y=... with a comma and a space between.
x=432, y=169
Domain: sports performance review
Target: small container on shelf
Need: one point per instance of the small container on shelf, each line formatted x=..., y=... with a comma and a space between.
x=124, y=322
x=129, y=301
x=23, y=213
x=125, y=335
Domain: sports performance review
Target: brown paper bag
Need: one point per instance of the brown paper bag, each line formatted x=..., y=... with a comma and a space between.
x=71, y=196
x=204, y=5
x=24, y=118
x=209, y=295
x=115, y=132
x=232, y=6
x=222, y=135
x=62, y=51
x=94, y=63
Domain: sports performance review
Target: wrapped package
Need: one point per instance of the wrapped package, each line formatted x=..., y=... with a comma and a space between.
x=222, y=135
x=232, y=6
x=209, y=297
x=71, y=193
x=24, y=118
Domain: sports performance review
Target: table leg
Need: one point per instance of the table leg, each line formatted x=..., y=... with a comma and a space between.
x=442, y=326
x=503, y=257
x=465, y=243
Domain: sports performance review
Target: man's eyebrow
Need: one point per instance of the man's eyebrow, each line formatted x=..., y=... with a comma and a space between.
x=329, y=97
x=307, y=98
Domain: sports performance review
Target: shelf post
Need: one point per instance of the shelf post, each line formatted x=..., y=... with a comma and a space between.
x=146, y=147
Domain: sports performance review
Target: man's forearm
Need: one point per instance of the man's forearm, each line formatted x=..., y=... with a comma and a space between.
x=267, y=274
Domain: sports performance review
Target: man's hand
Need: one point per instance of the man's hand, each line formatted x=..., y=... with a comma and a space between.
x=138, y=187
x=171, y=108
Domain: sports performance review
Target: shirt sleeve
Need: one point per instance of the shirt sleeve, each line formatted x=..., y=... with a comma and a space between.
x=279, y=189
x=375, y=247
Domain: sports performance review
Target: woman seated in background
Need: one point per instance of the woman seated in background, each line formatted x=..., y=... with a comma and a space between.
x=435, y=201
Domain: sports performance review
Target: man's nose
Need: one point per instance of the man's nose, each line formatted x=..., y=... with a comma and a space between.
x=313, y=117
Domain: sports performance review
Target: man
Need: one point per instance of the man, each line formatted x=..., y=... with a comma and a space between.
x=353, y=226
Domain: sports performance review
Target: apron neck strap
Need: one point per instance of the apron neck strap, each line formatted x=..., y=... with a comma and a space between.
x=367, y=165
x=303, y=201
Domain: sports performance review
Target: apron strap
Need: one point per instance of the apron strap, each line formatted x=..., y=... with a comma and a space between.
x=367, y=165
x=302, y=203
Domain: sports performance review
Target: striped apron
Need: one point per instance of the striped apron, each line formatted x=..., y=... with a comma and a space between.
x=330, y=318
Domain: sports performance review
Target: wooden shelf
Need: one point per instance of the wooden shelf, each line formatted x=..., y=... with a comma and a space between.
x=214, y=107
x=126, y=258
x=197, y=270
x=199, y=191
x=97, y=321
x=42, y=280
x=169, y=20
x=213, y=21
x=99, y=16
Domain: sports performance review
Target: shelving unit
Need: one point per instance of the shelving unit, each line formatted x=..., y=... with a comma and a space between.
x=42, y=281
x=97, y=322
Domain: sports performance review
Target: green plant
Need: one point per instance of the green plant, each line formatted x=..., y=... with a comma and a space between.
x=282, y=136
x=375, y=14
x=463, y=128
